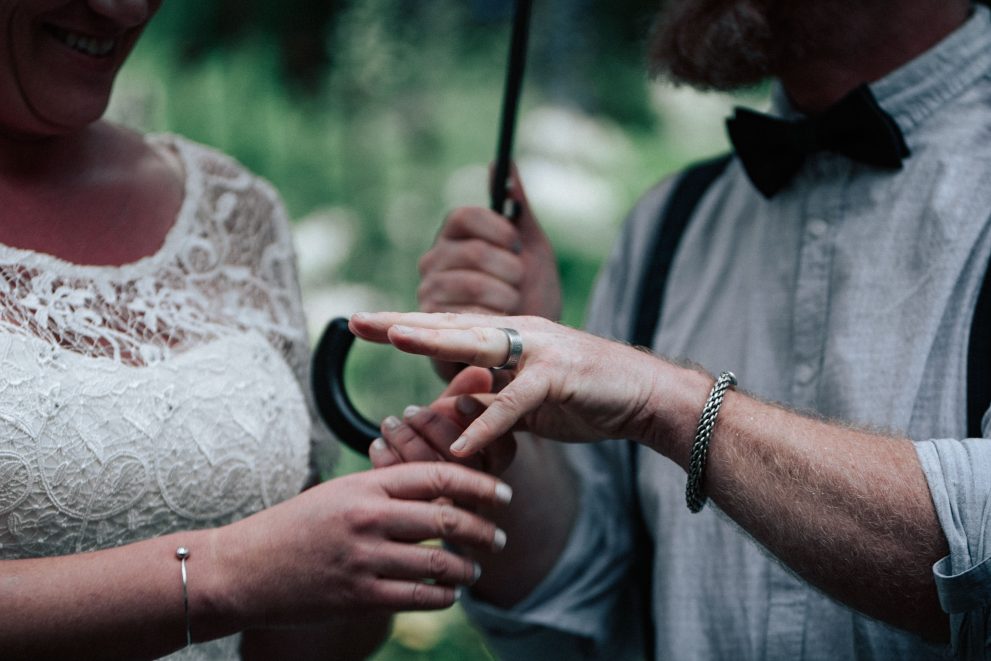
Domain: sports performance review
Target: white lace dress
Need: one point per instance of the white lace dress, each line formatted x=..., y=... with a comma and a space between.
x=162, y=395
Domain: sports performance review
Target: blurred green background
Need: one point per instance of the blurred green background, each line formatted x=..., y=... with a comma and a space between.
x=375, y=118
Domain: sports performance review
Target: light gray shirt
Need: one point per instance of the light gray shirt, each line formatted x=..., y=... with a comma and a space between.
x=850, y=294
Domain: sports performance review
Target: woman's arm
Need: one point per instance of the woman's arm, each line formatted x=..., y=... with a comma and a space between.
x=345, y=547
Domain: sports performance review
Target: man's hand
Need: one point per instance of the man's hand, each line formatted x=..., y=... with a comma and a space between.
x=426, y=433
x=483, y=262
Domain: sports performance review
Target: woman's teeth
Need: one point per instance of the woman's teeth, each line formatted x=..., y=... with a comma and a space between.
x=89, y=45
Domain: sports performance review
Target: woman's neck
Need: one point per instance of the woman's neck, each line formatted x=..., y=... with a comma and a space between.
x=56, y=159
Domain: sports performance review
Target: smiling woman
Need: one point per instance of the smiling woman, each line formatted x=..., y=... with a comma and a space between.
x=63, y=57
x=152, y=398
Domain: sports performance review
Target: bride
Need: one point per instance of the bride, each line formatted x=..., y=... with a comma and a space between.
x=154, y=428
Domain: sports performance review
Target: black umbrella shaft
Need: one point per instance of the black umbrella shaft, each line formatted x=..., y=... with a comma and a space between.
x=510, y=103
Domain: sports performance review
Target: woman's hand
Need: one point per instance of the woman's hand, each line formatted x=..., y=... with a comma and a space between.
x=568, y=385
x=426, y=433
x=350, y=547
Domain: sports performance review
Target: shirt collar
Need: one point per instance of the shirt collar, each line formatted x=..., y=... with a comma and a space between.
x=913, y=92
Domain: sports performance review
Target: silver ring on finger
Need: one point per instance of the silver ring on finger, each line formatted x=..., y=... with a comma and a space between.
x=515, y=349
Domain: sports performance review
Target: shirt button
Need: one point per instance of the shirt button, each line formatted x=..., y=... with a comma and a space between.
x=805, y=373
x=817, y=228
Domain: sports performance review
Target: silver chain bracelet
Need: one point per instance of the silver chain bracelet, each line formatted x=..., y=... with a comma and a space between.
x=703, y=434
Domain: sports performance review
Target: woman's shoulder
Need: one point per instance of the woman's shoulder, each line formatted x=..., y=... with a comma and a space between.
x=213, y=167
x=228, y=202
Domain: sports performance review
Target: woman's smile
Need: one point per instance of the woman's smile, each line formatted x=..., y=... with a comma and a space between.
x=59, y=58
x=99, y=47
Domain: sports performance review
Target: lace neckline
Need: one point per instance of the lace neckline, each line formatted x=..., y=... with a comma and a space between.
x=192, y=189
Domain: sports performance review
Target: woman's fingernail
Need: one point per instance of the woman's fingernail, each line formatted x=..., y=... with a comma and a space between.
x=477, y=575
x=503, y=492
x=458, y=593
x=405, y=330
x=499, y=540
x=459, y=444
x=391, y=423
x=379, y=445
x=467, y=406
x=411, y=410
x=359, y=316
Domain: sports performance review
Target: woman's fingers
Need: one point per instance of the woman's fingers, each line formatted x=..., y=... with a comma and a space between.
x=429, y=481
x=405, y=443
x=391, y=595
x=433, y=428
x=418, y=562
x=381, y=455
x=416, y=522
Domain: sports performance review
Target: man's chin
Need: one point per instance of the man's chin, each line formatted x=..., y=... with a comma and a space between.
x=712, y=44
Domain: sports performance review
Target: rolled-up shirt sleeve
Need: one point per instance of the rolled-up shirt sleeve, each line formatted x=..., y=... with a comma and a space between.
x=959, y=477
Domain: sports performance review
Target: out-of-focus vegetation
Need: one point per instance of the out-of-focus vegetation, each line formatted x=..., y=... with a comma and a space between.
x=375, y=118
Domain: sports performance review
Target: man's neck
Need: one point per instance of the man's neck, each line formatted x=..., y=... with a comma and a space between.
x=865, y=47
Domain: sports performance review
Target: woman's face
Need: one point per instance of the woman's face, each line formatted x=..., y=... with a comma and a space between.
x=59, y=58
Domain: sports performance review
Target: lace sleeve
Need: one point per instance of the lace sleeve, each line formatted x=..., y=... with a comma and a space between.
x=260, y=249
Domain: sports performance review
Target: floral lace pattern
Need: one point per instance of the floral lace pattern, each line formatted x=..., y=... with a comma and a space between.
x=162, y=395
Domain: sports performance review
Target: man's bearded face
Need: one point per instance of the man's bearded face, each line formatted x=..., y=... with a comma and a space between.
x=715, y=44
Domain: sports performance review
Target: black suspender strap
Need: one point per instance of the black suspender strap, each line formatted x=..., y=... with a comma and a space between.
x=687, y=192
x=979, y=360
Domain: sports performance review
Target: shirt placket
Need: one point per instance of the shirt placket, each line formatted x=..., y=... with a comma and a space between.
x=818, y=212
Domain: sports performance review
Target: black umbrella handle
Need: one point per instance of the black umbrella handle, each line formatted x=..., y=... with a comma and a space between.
x=510, y=106
x=327, y=374
x=333, y=403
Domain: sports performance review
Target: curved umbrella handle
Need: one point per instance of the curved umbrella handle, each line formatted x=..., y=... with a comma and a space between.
x=333, y=403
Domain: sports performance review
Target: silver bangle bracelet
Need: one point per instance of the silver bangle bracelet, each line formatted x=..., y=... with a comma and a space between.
x=181, y=554
x=703, y=434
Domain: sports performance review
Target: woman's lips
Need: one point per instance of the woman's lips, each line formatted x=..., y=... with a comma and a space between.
x=98, y=47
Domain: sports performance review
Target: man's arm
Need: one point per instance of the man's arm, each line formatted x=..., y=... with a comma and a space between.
x=849, y=511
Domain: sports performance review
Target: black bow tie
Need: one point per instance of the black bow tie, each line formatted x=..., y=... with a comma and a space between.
x=772, y=150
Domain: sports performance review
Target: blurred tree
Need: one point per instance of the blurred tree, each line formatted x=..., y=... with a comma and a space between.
x=299, y=27
x=589, y=54
x=584, y=53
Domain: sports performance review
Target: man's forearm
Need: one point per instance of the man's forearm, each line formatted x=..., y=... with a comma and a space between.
x=849, y=511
